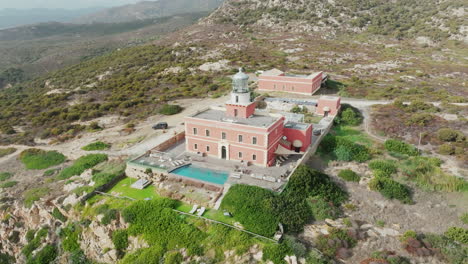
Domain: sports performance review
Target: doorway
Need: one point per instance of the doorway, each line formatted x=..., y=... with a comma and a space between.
x=223, y=152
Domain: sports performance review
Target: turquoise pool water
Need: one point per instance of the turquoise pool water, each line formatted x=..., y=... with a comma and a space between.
x=202, y=174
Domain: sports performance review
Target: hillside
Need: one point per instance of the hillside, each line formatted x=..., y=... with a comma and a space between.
x=196, y=60
x=45, y=47
x=147, y=10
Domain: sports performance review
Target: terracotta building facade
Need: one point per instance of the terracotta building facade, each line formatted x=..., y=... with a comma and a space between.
x=276, y=80
x=238, y=133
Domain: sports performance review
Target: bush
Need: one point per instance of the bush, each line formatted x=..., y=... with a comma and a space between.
x=322, y=209
x=419, y=119
x=109, y=216
x=70, y=238
x=464, y=218
x=173, y=258
x=37, y=159
x=453, y=252
x=391, y=189
x=349, y=175
x=30, y=235
x=446, y=149
x=276, y=253
x=349, y=116
x=81, y=164
x=344, y=149
x=328, y=248
x=386, y=167
x=450, y=135
x=400, y=147
x=253, y=207
x=58, y=215
x=168, y=109
x=458, y=234
x=8, y=184
x=99, y=145
x=44, y=256
x=120, y=239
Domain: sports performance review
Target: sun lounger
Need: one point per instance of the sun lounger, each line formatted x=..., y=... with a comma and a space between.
x=201, y=211
x=194, y=209
x=236, y=175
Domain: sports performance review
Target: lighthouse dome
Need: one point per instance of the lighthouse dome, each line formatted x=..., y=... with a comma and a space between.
x=240, y=82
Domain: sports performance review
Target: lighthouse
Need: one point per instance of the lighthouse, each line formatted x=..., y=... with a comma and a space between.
x=240, y=105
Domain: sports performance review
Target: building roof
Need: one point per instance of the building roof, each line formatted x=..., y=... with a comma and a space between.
x=272, y=72
x=276, y=72
x=296, y=125
x=220, y=116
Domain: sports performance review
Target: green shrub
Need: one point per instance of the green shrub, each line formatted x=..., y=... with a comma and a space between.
x=464, y=218
x=450, y=135
x=8, y=184
x=98, y=145
x=173, y=257
x=58, y=215
x=5, y=176
x=120, y=239
x=419, y=119
x=6, y=151
x=46, y=255
x=34, y=243
x=6, y=259
x=322, y=209
x=349, y=175
x=452, y=251
x=253, y=207
x=391, y=189
x=276, y=253
x=458, y=234
x=344, y=149
x=446, y=149
x=37, y=159
x=168, y=109
x=387, y=167
x=407, y=235
x=30, y=235
x=401, y=147
x=151, y=255
x=81, y=164
x=70, y=237
x=109, y=216
x=32, y=195
x=349, y=116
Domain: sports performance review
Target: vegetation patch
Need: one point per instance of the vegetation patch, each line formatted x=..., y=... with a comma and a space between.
x=349, y=175
x=385, y=167
x=340, y=148
x=32, y=195
x=8, y=184
x=98, y=145
x=38, y=159
x=458, y=234
x=168, y=109
x=58, y=215
x=391, y=189
x=34, y=243
x=120, y=239
x=5, y=176
x=400, y=147
x=6, y=151
x=349, y=116
x=46, y=255
x=81, y=164
x=334, y=241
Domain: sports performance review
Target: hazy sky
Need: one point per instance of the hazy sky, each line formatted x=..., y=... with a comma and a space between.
x=68, y=4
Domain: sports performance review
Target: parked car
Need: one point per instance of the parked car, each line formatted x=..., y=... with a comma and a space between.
x=161, y=125
x=317, y=132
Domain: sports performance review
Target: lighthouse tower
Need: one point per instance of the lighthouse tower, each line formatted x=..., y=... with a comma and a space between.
x=240, y=105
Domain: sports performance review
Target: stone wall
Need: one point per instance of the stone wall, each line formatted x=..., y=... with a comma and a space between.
x=170, y=142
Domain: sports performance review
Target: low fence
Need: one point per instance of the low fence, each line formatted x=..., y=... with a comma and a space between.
x=170, y=142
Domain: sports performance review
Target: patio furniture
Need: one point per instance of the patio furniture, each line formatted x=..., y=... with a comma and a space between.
x=236, y=175
x=201, y=211
x=194, y=209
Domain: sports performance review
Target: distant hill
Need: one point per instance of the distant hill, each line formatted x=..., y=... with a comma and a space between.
x=148, y=9
x=16, y=17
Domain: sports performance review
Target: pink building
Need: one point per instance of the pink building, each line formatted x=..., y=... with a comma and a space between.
x=276, y=80
x=328, y=106
x=237, y=132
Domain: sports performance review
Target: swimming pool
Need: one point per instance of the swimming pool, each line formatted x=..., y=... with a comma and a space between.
x=202, y=174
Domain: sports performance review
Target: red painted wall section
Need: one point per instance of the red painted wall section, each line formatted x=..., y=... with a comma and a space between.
x=290, y=84
x=334, y=103
x=305, y=136
x=242, y=111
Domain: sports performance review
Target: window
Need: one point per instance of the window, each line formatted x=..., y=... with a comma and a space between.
x=237, y=98
x=254, y=140
x=195, y=131
x=195, y=146
x=223, y=135
x=240, y=138
x=240, y=155
x=254, y=157
x=235, y=112
x=207, y=133
x=274, y=86
x=207, y=148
